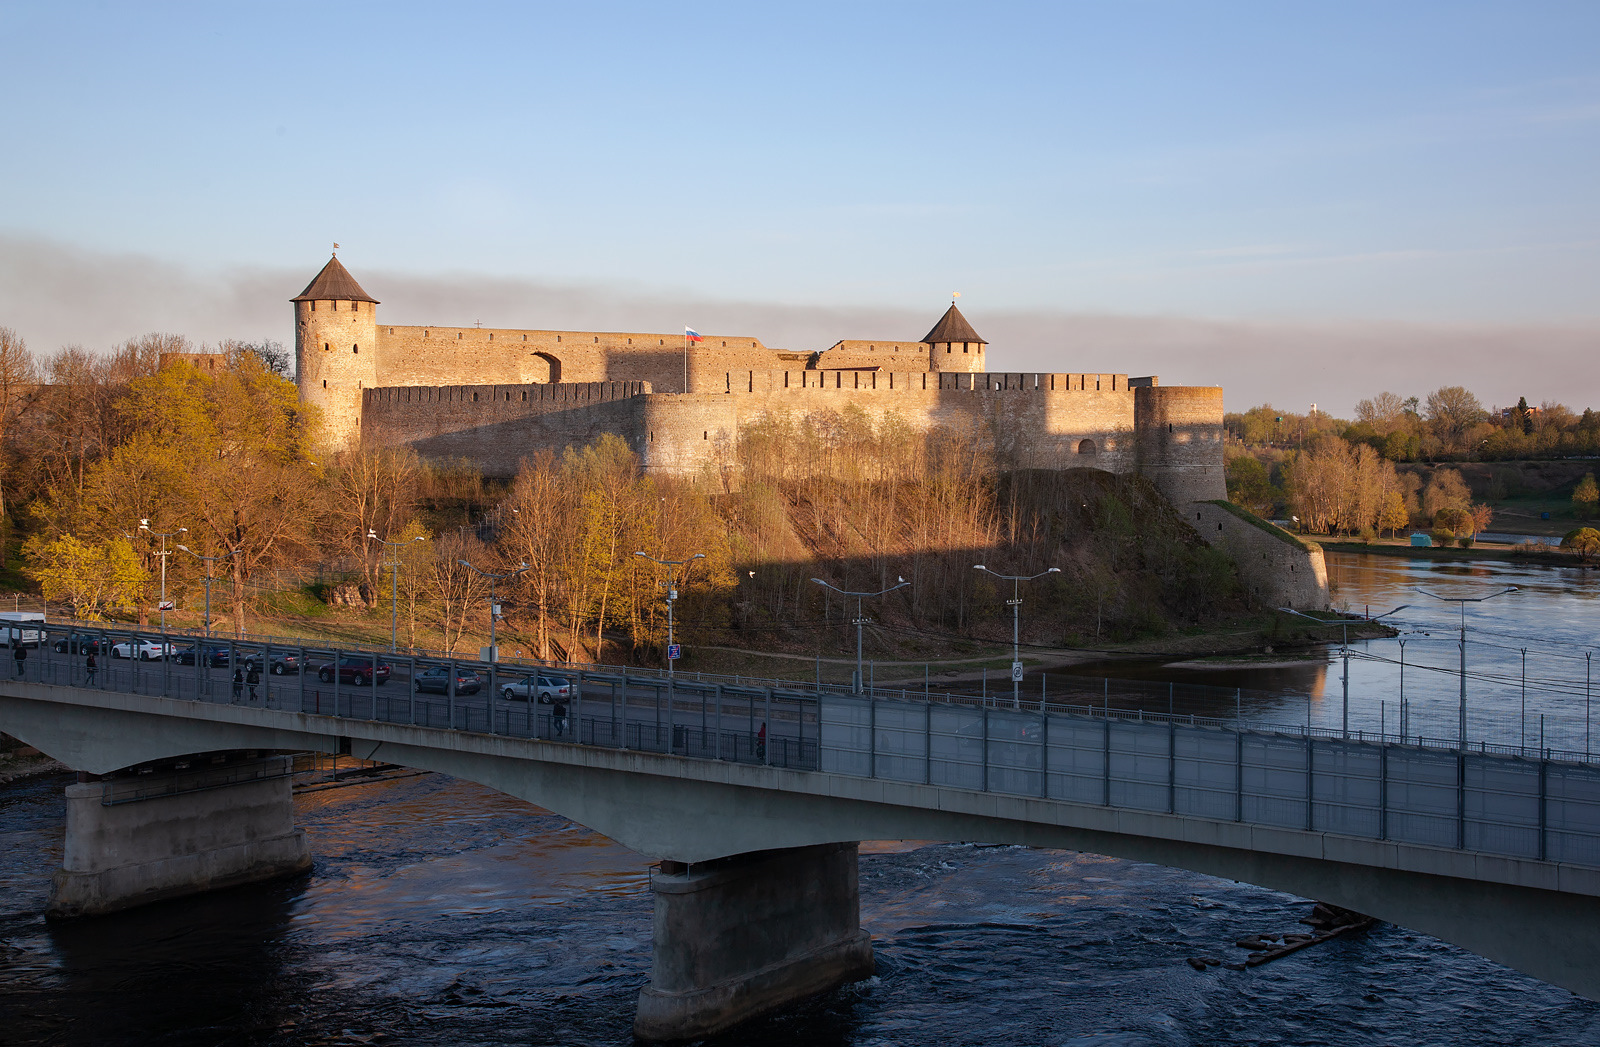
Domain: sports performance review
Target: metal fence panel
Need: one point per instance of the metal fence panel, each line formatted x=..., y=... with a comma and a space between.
x=1422, y=796
x=1139, y=765
x=1273, y=770
x=1572, y=813
x=1502, y=805
x=1346, y=788
x=956, y=739
x=1015, y=740
x=846, y=735
x=902, y=741
x=1205, y=772
x=1077, y=758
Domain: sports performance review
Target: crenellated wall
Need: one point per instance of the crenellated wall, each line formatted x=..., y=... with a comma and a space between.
x=496, y=426
x=1025, y=419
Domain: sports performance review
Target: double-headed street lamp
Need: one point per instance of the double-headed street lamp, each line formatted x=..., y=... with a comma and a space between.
x=672, y=598
x=394, y=587
x=494, y=608
x=859, y=620
x=1463, y=601
x=1344, y=645
x=144, y=525
x=209, y=561
x=1016, y=581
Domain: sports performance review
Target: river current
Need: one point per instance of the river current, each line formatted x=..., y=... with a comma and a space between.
x=440, y=912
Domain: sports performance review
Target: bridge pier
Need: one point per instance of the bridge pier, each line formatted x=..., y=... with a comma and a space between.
x=198, y=825
x=746, y=935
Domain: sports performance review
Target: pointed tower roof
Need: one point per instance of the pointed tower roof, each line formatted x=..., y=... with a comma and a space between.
x=334, y=283
x=953, y=327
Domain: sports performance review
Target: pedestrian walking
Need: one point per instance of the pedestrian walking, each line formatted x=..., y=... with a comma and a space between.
x=761, y=741
x=558, y=716
x=20, y=654
x=252, y=677
x=238, y=684
x=93, y=667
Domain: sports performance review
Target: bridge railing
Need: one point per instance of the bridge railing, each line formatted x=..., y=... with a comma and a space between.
x=1502, y=800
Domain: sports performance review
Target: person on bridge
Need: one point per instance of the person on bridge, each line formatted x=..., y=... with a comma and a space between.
x=238, y=684
x=252, y=677
x=558, y=717
x=93, y=667
x=761, y=741
x=20, y=653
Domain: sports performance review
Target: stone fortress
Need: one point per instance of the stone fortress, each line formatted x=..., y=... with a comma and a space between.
x=494, y=396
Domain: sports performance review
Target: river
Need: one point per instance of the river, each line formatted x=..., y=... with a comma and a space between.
x=439, y=912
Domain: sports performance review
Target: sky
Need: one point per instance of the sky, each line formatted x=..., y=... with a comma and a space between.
x=1300, y=202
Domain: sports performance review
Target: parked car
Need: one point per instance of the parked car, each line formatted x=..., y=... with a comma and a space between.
x=144, y=650
x=355, y=669
x=214, y=656
x=547, y=688
x=435, y=677
x=81, y=643
x=281, y=662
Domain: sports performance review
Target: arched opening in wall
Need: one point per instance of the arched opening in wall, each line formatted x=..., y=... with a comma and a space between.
x=1086, y=447
x=355, y=348
x=542, y=367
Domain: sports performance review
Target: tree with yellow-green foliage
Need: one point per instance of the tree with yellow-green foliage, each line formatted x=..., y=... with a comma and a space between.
x=1586, y=498
x=227, y=454
x=92, y=578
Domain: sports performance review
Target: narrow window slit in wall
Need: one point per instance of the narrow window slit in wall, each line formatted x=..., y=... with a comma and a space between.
x=325, y=347
x=706, y=435
x=355, y=348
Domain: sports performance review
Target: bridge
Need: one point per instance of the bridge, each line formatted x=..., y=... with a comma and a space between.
x=753, y=797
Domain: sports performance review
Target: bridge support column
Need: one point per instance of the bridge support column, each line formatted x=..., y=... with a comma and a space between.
x=746, y=935
x=135, y=840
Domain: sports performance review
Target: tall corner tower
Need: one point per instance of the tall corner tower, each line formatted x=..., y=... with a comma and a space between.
x=954, y=346
x=336, y=351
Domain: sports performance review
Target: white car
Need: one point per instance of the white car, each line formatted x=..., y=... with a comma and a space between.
x=144, y=650
x=546, y=688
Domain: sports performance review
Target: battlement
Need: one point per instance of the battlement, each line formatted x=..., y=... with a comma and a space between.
x=924, y=381
x=536, y=393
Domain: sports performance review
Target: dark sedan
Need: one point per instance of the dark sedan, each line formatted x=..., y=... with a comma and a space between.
x=82, y=643
x=214, y=656
x=435, y=678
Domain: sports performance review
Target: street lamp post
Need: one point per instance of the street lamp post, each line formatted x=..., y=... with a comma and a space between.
x=859, y=619
x=209, y=561
x=144, y=525
x=1344, y=644
x=672, y=597
x=1016, y=604
x=394, y=585
x=494, y=610
x=1463, y=601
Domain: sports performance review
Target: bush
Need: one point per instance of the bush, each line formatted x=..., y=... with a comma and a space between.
x=1465, y=543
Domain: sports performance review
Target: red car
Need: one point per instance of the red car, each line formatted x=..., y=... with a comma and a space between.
x=355, y=669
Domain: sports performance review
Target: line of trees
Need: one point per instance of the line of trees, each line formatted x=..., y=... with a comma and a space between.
x=230, y=456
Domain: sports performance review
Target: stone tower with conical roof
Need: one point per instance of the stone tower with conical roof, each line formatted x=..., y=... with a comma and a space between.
x=336, y=350
x=954, y=346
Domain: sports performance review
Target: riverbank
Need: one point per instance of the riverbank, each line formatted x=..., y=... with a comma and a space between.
x=1501, y=554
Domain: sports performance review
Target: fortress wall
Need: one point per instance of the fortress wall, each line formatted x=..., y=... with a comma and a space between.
x=1180, y=441
x=888, y=356
x=1040, y=420
x=439, y=356
x=1277, y=569
x=497, y=426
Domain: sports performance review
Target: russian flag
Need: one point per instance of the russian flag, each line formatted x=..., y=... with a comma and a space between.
x=692, y=335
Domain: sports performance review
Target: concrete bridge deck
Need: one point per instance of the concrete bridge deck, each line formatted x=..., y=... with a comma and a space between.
x=1499, y=853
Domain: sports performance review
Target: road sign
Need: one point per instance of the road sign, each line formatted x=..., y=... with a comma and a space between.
x=1016, y=672
x=165, y=605
x=674, y=652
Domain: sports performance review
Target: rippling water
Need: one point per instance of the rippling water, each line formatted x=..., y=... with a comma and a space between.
x=440, y=912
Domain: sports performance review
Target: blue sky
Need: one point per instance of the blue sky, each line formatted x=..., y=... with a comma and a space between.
x=1431, y=163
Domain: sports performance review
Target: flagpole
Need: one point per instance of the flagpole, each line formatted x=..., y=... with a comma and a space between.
x=686, y=359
